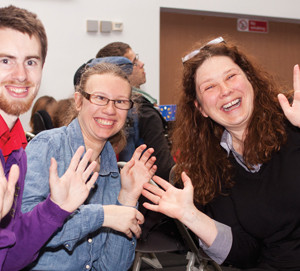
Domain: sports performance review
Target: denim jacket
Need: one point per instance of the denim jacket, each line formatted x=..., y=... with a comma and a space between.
x=82, y=243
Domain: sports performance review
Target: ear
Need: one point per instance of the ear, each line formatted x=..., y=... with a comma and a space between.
x=78, y=100
x=199, y=107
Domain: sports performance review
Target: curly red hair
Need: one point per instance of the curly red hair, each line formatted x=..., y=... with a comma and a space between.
x=196, y=140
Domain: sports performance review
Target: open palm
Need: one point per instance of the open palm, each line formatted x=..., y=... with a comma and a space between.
x=169, y=200
x=292, y=112
x=7, y=189
x=72, y=189
x=139, y=170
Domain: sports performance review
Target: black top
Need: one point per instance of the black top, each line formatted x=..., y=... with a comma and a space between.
x=263, y=210
x=152, y=130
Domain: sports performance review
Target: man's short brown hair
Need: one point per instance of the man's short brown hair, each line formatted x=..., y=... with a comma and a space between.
x=114, y=49
x=25, y=22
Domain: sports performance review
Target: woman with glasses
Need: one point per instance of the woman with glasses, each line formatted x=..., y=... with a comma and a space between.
x=238, y=139
x=101, y=234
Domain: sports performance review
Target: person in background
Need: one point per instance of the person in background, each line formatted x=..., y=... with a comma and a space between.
x=102, y=234
x=238, y=139
x=150, y=125
x=65, y=112
x=23, y=50
x=42, y=114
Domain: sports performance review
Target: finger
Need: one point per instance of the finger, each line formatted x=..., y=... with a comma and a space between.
x=136, y=230
x=76, y=158
x=138, y=152
x=92, y=181
x=151, y=207
x=153, y=170
x=128, y=166
x=129, y=233
x=140, y=218
x=296, y=75
x=284, y=103
x=146, y=155
x=53, y=171
x=187, y=182
x=164, y=184
x=154, y=189
x=88, y=171
x=13, y=177
x=150, y=196
x=84, y=161
x=150, y=162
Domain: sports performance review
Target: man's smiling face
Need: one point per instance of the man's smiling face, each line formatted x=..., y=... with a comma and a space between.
x=20, y=71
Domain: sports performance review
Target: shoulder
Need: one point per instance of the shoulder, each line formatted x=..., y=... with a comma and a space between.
x=52, y=136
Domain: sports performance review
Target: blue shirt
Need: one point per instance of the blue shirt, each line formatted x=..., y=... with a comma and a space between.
x=82, y=243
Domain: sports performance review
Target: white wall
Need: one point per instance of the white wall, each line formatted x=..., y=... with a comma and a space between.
x=70, y=45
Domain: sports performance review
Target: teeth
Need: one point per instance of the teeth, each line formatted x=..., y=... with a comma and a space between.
x=18, y=90
x=104, y=122
x=233, y=103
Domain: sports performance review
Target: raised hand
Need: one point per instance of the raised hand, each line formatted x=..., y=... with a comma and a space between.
x=178, y=204
x=292, y=112
x=72, y=189
x=169, y=200
x=123, y=219
x=139, y=170
x=7, y=189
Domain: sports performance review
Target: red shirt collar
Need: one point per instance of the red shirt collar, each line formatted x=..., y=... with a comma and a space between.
x=13, y=139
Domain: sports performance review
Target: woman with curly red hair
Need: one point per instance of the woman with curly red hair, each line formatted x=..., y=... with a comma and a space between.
x=242, y=155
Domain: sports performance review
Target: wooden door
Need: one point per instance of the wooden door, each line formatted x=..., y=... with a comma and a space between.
x=277, y=51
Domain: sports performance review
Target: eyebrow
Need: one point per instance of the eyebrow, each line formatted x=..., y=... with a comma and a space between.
x=26, y=58
x=224, y=73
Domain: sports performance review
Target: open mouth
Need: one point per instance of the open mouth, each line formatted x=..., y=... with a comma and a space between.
x=18, y=92
x=105, y=122
x=232, y=105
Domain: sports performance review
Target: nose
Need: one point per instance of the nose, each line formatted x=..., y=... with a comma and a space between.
x=20, y=72
x=110, y=108
x=141, y=64
x=224, y=90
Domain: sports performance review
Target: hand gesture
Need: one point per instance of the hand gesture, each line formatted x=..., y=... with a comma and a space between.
x=7, y=189
x=72, y=189
x=139, y=170
x=123, y=219
x=292, y=112
x=169, y=200
x=179, y=204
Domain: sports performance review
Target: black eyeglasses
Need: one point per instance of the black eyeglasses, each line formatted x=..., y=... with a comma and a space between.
x=100, y=100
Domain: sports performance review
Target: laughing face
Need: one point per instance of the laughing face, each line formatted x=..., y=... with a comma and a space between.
x=224, y=93
x=20, y=71
x=99, y=123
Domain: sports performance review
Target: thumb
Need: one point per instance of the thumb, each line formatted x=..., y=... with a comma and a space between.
x=284, y=103
x=53, y=176
x=128, y=166
x=13, y=178
x=187, y=183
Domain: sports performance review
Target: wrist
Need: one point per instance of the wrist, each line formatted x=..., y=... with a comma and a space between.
x=126, y=198
x=189, y=215
x=63, y=205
